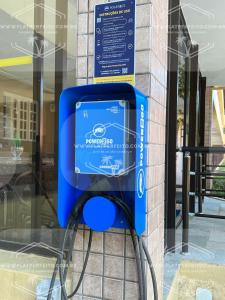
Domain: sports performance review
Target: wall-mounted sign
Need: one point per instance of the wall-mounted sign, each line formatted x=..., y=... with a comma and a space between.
x=115, y=42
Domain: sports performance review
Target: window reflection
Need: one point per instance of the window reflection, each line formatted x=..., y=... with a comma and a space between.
x=27, y=200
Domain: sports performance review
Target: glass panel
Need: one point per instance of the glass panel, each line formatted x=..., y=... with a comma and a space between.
x=16, y=92
x=21, y=190
x=198, y=271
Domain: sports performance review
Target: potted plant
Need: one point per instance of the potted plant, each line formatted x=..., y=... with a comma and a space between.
x=17, y=149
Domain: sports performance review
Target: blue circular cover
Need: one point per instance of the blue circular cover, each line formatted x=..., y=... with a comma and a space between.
x=99, y=213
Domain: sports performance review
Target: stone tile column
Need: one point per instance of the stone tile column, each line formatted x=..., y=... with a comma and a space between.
x=111, y=272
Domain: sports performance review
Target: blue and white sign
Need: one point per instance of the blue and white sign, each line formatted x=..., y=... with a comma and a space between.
x=115, y=42
x=101, y=129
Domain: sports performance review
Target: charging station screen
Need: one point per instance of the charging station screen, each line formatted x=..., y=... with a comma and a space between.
x=101, y=129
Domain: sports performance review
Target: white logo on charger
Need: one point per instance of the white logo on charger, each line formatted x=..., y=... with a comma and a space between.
x=141, y=183
x=99, y=130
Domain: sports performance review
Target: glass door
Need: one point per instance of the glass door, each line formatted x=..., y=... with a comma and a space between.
x=18, y=118
x=30, y=86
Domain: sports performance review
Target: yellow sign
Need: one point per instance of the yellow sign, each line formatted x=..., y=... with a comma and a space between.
x=129, y=79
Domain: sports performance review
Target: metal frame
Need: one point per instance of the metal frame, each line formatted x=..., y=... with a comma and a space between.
x=210, y=216
x=38, y=97
x=171, y=134
x=193, y=116
x=185, y=202
x=176, y=19
x=200, y=192
x=204, y=175
x=204, y=149
x=202, y=96
x=60, y=67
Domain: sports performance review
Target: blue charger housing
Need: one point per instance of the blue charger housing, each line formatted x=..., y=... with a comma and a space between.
x=103, y=136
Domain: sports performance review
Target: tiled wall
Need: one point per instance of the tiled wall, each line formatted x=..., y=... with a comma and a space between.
x=111, y=272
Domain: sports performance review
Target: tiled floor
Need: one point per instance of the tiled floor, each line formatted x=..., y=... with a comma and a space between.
x=207, y=242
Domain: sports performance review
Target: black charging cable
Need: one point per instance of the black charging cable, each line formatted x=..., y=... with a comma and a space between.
x=138, y=244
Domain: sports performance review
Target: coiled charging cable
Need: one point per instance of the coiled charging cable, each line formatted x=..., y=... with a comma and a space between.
x=139, y=247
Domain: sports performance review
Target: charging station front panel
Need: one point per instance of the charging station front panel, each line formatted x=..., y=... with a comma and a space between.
x=100, y=143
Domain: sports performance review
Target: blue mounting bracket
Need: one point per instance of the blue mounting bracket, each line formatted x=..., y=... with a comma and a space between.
x=103, y=136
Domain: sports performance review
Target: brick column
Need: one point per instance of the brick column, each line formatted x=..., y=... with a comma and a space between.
x=111, y=272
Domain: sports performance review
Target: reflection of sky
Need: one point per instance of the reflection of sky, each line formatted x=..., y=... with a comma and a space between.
x=207, y=29
x=15, y=40
x=12, y=32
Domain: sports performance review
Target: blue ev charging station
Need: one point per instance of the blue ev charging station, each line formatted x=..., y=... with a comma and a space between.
x=102, y=149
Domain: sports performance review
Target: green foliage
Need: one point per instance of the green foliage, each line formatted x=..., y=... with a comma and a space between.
x=181, y=85
x=17, y=142
x=218, y=183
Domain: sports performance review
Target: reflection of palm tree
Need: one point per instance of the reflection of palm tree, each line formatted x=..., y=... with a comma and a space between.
x=106, y=160
x=181, y=40
x=118, y=162
x=186, y=44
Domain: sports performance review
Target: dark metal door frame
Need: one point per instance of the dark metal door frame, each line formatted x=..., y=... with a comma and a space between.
x=171, y=133
x=194, y=117
x=38, y=98
x=176, y=24
x=60, y=66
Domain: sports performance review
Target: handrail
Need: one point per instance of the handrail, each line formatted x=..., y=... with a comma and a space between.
x=202, y=149
x=215, y=174
x=200, y=188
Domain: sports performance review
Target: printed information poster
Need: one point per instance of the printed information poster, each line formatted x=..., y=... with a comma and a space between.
x=115, y=42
